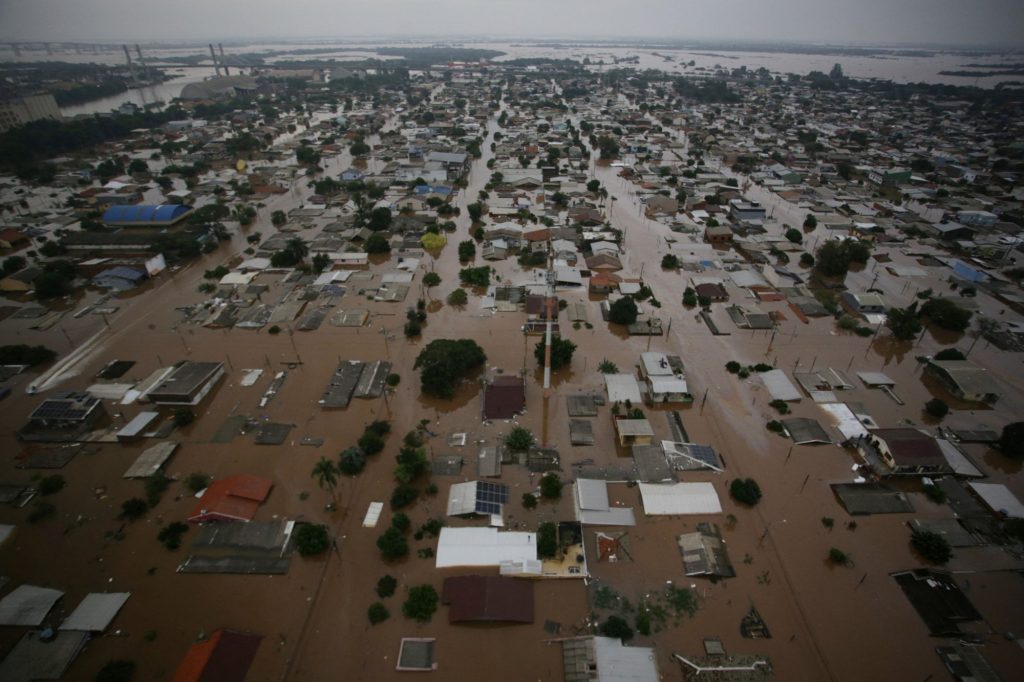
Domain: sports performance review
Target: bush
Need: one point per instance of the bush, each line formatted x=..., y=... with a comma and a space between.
x=433, y=527
x=403, y=495
x=529, y=501
x=133, y=509
x=352, y=461
x=197, y=481
x=183, y=416
x=746, y=491
x=41, y=510
x=733, y=367
x=116, y=671
x=458, y=297
x=775, y=426
x=50, y=485
x=21, y=354
x=931, y=546
x=467, y=250
x=950, y=354
x=807, y=260
x=550, y=486
x=607, y=367
x=421, y=603
x=377, y=613
x=1011, y=442
x=936, y=408
x=393, y=380
x=431, y=279
x=274, y=330
x=547, y=540
x=170, y=535
x=670, y=262
x=781, y=405
x=155, y=486
x=392, y=544
x=312, y=539
x=618, y=628
x=386, y=586
x=935, y=494
x=838, y=556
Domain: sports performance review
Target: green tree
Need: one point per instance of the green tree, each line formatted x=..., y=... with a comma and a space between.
x=377, y=243
x=550, y=486
x=931, y=546
x=617, y=628
x=467, y=250
x=352, y=461
x=689, y=297
x=593, y=185
x=22, y=354
x=421, y=603
x=444, y=362
x=278, y=218
x=529, y=501
x=477, y=277
x=810, y=222
x=380, y=219
x=946, y=313
x=386, y=586
x=458, y=297
x=392, y=544
x=623, y=311
x=670, y=262
x=936, y=408
x=431, y=279
x=547, y=540
x=903, y=322
x=1011, y=441
x=794, y=235
x=320, y=262
x=476, y=210
x=325, y=472
x=745, y=490
x=312, y=539
x=519, y=439
x=561, y=352
x=377, y=613
x=116, y=671
x=607, y=367
x=133, y=509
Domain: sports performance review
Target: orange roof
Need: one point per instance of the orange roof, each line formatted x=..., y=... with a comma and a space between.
x=192, y=666
x=232, y=499
x=224, y=657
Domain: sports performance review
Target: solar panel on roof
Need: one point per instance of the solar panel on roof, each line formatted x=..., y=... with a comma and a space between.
x=490, y=497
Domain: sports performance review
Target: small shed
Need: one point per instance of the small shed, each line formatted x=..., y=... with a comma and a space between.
x=634, y=432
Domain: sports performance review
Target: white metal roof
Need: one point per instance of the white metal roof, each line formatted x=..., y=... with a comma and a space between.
x=622, y=387
x=462, y=498
x=661, y=385
x=137, y=425
x=656, y=364
x=679, y=498
x=617, y=662
x=484, y=547
x=591, y=494
x=151, y=459
x=373, y=514
x=27, y=605
x=95, y=612
x=846, y=421
x=999, y=498
x=779, y=385
x=875, y=379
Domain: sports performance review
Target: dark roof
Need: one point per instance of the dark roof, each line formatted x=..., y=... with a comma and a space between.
x=224, y=657
x=65, y=406
x=938, y=600
x=145, y=213
x=504, y=398
x=488, y=598
x=910, y=447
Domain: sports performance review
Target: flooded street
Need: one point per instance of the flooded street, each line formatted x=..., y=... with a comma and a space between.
x=827, y=621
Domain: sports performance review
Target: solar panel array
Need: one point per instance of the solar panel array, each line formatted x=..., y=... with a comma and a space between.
x=64, y=408
x=490, y=497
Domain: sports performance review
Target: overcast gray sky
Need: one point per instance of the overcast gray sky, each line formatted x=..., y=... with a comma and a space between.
x=957, y=22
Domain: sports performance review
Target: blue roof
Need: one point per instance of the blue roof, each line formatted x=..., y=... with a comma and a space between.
x=143, y=213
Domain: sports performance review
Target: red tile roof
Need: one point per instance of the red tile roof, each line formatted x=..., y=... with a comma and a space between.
x=232, y=499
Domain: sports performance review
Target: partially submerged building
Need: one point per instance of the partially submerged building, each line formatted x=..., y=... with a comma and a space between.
x=494, y=599
x=187, y=383
x=965, y=380
x=606, y=659
x=66, y=416
x=235, y=498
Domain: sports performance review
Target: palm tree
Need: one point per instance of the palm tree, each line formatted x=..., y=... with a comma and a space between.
x=326, y=474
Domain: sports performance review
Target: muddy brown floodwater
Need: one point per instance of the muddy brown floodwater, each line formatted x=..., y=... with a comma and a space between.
x=828, y=623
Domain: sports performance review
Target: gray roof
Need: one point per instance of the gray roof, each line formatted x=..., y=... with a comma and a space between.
x=95, y=612
x=28, y=605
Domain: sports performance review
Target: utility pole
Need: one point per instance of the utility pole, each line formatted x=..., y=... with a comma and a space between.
x=551, y=309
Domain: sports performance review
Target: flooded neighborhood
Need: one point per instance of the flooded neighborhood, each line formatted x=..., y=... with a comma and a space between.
x=543, y=360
